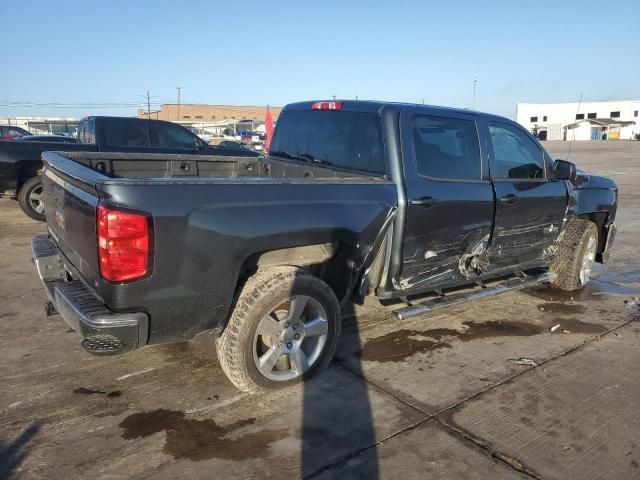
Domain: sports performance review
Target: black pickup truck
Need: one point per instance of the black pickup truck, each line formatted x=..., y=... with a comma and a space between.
x=20, y=159
x=354, y=199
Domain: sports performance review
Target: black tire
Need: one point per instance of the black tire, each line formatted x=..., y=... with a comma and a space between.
x=26, y=202
x=577, y=240
x=261, y=295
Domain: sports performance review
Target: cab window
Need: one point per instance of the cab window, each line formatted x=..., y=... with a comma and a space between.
x=516, y=154
x=127, y=132
x=174, y=136
x=447, y=148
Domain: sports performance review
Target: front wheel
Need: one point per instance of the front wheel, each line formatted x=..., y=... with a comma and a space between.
x=30, y=198
x=575, y=255
x=283, y=330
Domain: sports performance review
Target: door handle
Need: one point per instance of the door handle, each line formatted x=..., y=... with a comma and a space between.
x=425, y=202
x=510, y=199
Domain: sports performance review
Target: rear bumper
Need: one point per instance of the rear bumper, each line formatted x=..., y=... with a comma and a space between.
x=105, y=332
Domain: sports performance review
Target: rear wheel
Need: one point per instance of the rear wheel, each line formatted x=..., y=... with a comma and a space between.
x=284, y=329
x=30, y=198
x=575, y=255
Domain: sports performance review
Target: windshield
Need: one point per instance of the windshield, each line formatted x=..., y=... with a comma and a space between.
x=351, y=140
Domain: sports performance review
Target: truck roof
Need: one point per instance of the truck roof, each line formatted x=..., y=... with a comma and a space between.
x=111, y=117
x=375, y=106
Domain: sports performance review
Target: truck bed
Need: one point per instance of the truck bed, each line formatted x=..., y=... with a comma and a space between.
x=136, y=166
x=211, y=217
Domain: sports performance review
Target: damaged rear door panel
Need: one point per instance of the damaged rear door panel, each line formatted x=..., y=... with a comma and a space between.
x=450, y=199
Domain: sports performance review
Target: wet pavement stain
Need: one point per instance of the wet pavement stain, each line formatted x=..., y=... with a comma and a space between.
x=573, y=325
x=550, y=294
x=398, y=345
x=89, y=391
x=603, y=282
x=562, y=308
x=200, y=439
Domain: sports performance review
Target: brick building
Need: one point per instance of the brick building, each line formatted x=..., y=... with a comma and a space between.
x=193, y=113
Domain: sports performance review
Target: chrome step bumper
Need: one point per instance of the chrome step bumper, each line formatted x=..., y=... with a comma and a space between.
x=104, y=331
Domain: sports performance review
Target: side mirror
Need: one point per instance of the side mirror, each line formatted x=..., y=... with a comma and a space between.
x=564, y=170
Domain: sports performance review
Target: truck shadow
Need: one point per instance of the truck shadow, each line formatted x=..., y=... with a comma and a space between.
x=343, y=428
x=13, y=454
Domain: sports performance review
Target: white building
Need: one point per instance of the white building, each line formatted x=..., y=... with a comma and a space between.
x=584, y=121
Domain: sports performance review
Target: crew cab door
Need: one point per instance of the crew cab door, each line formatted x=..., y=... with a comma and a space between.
x=530, y=205
x=450, y=199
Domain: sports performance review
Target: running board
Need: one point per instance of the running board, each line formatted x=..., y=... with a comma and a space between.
x=454, y=299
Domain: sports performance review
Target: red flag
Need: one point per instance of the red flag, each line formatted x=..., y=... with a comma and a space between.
x=268, y=123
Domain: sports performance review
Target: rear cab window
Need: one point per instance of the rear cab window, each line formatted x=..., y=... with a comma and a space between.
x=342, y=139
x=447, y=148
x=127, y=132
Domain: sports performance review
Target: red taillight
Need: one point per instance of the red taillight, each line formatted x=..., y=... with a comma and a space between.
x=123, y=244
x=326, y=105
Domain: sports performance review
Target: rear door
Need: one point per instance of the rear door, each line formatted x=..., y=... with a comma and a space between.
x=450, y=199
x=530, y=206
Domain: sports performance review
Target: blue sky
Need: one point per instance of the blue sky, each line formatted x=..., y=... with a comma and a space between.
x=89, y=54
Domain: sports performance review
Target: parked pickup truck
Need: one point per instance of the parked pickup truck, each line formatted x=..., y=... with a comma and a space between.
x=20, y=159
x=354, y=199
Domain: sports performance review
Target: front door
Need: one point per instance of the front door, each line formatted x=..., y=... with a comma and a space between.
x=530, y=205
x=450, y=200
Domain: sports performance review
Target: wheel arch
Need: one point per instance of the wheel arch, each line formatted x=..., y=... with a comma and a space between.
x=600, y=220
x=333, y=262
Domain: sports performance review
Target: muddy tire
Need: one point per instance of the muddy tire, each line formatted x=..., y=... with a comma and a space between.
x=30, y=198
x=283, y=330
x=575, y=255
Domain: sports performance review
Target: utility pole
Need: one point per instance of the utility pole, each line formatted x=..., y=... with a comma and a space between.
x=474, y=94
x=178, y=88
x=334, y=97
x=148, y=106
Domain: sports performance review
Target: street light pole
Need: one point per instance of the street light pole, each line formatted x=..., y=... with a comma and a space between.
x=474, y=94
x=178, y=88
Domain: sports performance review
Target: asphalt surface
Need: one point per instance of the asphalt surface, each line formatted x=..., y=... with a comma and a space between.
x=439, y=396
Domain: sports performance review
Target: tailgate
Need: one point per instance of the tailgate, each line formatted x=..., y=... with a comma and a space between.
x=71, y=200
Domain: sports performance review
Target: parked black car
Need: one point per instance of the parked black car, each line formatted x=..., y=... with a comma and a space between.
x=46, y=138
x=8, y=132
x=20, y=161
x=356, y=198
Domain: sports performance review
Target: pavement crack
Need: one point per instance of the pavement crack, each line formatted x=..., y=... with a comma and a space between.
x=511, y=462
x=345, y=459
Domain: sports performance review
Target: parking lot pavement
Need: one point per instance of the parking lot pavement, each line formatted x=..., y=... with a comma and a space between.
x=439, y=396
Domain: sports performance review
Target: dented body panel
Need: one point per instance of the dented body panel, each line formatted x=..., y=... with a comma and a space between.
x=528, y=223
